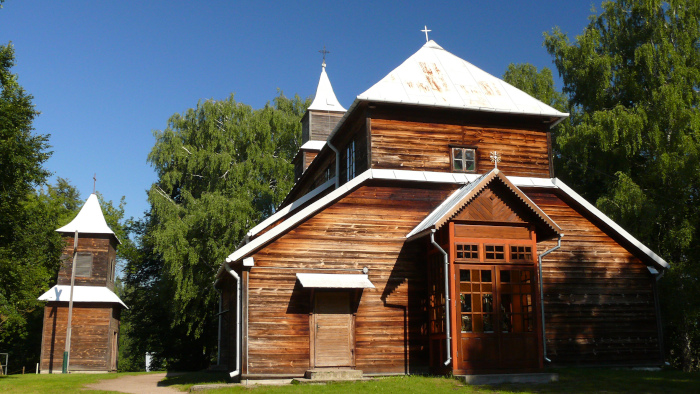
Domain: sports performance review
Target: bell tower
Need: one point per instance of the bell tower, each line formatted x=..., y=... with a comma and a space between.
x=88, y=261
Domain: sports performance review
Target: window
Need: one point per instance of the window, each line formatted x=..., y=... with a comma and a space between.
x=350, y=160
x=467, y=252
x=476, y=300
x=83, y=264
x=463, y=159
x=520, y=253
x=494, y=252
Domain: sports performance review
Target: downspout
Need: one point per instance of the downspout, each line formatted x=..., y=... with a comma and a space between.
x=337, y=163
x=218, y=345
x=238, y=320
x=448, y=338
x=544, y=331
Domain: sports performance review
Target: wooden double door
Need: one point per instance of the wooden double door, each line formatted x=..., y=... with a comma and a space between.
x=497, y=319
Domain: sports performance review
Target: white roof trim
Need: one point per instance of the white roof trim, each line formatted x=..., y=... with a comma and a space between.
x=61, y=293
x=89, y=220
x=313, y=145
x=325, y=99
x=335, y=281
x=616, y=227
x=282, y=212
x=419, y=176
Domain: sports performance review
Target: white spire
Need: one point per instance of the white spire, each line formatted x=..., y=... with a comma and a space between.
x=89, y=220
x=325, y=99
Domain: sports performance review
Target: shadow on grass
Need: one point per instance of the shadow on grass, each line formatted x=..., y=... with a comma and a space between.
x=192, y=378
x=595, y=380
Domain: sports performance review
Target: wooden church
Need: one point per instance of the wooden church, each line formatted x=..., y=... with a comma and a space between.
x=96, y=309
x=426, y=232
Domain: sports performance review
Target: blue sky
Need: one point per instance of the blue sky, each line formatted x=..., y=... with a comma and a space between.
x=105, y=74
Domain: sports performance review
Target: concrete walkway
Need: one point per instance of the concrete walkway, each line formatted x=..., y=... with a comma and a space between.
x=134, y=384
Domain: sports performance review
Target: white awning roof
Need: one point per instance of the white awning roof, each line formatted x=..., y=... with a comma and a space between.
x=313, y=145
x=335, y=281
x=81, y=294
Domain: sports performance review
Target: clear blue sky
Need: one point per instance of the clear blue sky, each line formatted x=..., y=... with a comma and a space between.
x=105, y=74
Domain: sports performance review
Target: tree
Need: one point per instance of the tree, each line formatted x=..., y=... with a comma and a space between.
x=538, y=84
x=222, y=167
x=633, y=80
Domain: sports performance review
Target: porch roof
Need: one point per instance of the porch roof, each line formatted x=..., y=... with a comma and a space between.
x=335, y=281
x=462, y=196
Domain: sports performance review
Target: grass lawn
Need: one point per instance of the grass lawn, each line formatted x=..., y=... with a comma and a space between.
x=578, y=380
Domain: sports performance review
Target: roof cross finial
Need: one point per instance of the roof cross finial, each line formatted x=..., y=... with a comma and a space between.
x=495, y=158
x=324, y=52
x=94, y=182
x=425, y=30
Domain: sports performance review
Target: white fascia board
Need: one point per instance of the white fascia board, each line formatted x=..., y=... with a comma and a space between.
x=335, y=281
x=616, y=227
x=294, y=205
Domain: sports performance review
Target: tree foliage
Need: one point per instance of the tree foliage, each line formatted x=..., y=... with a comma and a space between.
x=633, y=145
x=222, y=167
x=538, y=84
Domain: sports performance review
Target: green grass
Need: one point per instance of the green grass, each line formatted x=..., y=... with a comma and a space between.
x=574, y=380
x=54, y=383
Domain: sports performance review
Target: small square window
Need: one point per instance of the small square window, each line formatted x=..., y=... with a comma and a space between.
x=494, y=252
x=463, y=159
x=83, y=265
x=467, y=252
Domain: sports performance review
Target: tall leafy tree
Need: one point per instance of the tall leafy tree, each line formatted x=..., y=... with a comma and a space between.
x=633, y=81
x=222, y=167
x=538, y=84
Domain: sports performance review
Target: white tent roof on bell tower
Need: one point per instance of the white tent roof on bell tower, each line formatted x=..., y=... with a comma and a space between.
x=325, y=99
x=89, y=220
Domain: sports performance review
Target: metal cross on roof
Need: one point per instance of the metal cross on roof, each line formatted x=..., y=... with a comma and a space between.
x=495, y=158
x=94, y=181
x=425, y=30
x=324, y=52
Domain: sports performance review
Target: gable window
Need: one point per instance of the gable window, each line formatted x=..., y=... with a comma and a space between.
x=83, y=264
x=350, y=160
x=463, y=159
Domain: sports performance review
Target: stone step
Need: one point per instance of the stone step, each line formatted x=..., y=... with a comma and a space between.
x=491, y=379
x=333, y=374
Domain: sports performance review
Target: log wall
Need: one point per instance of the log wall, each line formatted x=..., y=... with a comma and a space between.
x=92, y=329
x=599, y=298
x=366, y=228
x=420, y=146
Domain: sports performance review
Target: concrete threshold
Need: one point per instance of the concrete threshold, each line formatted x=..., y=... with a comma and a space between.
x=491, y=379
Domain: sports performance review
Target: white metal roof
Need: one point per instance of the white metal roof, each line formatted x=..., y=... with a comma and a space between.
x=325, y=99
x=418, y=176
x=89, y=220
x=81, y=294
x=335, y=281
x=434, y=77
x=313, y=145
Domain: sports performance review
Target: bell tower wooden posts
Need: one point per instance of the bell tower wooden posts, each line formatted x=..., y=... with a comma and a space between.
x=96, y=309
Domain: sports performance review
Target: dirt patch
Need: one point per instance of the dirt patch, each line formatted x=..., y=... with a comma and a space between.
x=134, y=384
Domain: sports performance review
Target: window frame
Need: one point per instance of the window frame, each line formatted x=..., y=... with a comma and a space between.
x=463, y=148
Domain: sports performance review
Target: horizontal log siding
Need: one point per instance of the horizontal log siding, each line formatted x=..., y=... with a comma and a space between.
x=426, y=147
x=91, y=328
x=366, y=228
x=599, y=300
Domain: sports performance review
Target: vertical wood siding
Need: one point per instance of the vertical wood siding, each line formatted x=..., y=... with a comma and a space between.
x=599, y=300
x=91, y=329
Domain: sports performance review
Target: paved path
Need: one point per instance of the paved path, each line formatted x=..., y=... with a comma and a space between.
x=134, y=384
